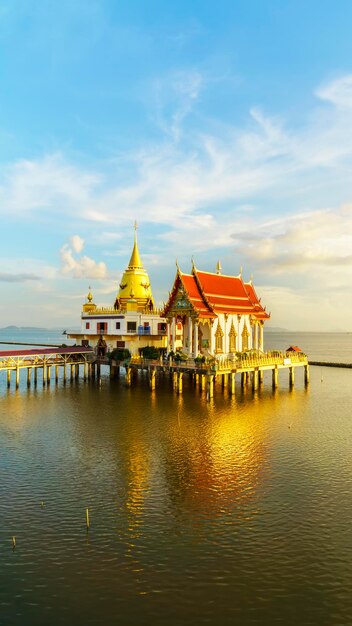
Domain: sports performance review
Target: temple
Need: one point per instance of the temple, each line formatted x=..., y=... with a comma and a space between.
x=214, y=315
x=132, y=322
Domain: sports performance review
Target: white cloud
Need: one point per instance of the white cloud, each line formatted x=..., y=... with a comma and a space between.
x=77, y=243
x=313, y=239
x=338, y=92
x=82, y=267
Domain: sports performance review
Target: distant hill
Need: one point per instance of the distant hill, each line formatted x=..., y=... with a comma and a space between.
x=21, y=329
x=277, y=329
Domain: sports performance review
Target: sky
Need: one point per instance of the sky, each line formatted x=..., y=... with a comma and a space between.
x=224, y=128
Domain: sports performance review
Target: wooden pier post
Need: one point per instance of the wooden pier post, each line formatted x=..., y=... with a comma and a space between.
x=152, y=378
x=128, y=376
x=99, y=371
x=255, y=380
x=174, y=379
x=77, y=371
x=243, y=379
x=203, y=381
x=71, y=372
x=48, y=372
x=28, y=376
x=306, y=374
x=225, y=380
x=210, y=386
x=179, y=382
x=232, y=383
x=8, y=378
x=44, y=374
x=64, y=374
x=291, y=376
x=261, y=377
x=56, y=374
x=275, y=377
x=35, y=376
x=85, y=370
x=17, y=376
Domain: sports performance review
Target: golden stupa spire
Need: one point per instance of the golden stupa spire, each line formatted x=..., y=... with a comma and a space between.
x=89, y=296
x=135, y=292
x=135, y=260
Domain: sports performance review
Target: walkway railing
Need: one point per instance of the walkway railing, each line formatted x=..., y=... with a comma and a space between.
x=221, y=364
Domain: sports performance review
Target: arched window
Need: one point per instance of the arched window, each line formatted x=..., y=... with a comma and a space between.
x=232, y=339
x=219, y=339
x=245, y=335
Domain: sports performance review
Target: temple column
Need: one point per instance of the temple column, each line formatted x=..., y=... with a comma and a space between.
x=168, y=341
x=212, y=340
x=195, y=346
x=261, y=337
x=255, y=336
x=173, y=334
x=190, y=329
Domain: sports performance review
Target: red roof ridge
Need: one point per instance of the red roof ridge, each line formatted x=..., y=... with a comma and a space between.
x=201, y=291
x=220, y=275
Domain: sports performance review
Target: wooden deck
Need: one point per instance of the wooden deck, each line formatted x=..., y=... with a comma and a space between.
x=250, y=368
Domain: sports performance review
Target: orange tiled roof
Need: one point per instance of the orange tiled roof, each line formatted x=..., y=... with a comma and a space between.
x=211, y=294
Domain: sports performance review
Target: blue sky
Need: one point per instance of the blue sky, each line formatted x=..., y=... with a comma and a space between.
x=224, y=128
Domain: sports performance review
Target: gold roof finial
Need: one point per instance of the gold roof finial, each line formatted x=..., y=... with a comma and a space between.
x=218, y=267
x=241, y=271
x=135, y=260
x=89, y=296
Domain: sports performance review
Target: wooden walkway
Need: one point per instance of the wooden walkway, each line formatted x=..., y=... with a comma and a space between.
x=250, y=368
x=44, y=359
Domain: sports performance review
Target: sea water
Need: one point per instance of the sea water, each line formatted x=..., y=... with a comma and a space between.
x=234, y=511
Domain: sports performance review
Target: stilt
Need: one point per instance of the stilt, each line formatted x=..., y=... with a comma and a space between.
x=152, y=378
x=8, y=378
x=72, y=373
x=255, y=380
x=203, y=381
x=243, y=379
x=225, y=380
x=128, y=376
x=261, y=377
x=232, y=383
x=35, y=376
x=85, y=370
x=291, y=376
x=174, y=379
x=56, y=374
x=44, y=375
x=306, y=374
x=64, y=374
x=48, y=372
x=275, y=377
x=99, y=371
x=28, y=376
x=179, y=382
x=17, y=377
x=210, y=386
x=77, y=371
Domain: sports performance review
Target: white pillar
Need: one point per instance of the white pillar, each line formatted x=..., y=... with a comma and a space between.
x=195, y=346
x=173, y=333
x=212, y=338
x=255, y=333
x=190, y=328
x=261, y=337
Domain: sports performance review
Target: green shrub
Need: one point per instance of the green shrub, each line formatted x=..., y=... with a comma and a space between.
x=150, y=352
x=119, y=354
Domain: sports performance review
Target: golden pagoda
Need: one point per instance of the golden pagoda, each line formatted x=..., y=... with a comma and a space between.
x=135, y=293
